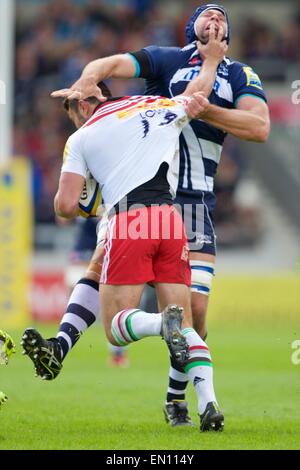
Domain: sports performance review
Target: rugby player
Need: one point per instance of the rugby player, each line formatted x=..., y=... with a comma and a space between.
x=237, y=106
x=83, y=306
x=130, y=145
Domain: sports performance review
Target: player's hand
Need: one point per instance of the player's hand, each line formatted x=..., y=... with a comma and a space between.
x=7, y=347
x=216, y=47
x=197, y=106
x=3, y=398
x=82, y=89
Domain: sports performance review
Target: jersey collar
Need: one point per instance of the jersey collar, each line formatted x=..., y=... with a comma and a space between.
x=109, y=100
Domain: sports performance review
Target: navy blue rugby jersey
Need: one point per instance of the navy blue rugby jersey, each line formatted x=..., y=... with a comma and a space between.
x=167, y=71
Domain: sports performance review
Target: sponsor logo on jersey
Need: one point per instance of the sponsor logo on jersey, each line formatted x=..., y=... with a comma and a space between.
x=130, y=106
x=184, y=75
x=195, y=61
x=223, y=70
x=252, y=78
x=147, y=105
x=217, y=86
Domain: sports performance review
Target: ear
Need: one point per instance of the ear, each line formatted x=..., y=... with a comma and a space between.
x=84, y=107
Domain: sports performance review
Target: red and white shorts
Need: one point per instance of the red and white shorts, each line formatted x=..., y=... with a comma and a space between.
x=146, y=245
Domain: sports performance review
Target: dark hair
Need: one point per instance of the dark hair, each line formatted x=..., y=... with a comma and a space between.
x=73, y=104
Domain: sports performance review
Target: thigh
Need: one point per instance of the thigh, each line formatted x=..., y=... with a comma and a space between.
x=171, y=262
x=113, y=299
x=128, y=250
x=197, y=211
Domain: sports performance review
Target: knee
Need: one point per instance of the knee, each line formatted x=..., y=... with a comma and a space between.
x=73, y=274
x=199, y=309
x=93, y=271
x=114, y=331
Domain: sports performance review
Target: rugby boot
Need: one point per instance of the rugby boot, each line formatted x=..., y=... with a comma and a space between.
x=171, y=325
x=44, y=353
x=176, y=413
x=212, y=419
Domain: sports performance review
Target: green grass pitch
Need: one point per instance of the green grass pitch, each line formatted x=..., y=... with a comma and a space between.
x=253, y=323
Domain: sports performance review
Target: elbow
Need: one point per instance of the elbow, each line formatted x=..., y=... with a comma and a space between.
x=263, y=136
x=66, y=209
x=262, y=133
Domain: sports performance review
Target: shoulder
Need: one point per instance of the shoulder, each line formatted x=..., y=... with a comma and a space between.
x=161, y=51
x=239, y=69
x=73, y=143
x=244, y=80
x=76, y=135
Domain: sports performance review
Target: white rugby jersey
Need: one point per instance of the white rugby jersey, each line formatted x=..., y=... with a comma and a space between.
x=125, y=142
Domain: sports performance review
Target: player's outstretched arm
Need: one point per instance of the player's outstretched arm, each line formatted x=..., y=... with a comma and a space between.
x=212, y=55
x=116, y=66
x=250, y=121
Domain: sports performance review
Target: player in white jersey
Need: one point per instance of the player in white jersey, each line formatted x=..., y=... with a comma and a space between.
x=151, y=123
x=238, y=107
x=135, y=160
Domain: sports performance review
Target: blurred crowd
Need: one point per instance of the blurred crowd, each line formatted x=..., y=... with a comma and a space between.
x=59, y=37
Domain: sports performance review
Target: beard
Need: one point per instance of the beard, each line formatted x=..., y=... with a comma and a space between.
x=204, y=38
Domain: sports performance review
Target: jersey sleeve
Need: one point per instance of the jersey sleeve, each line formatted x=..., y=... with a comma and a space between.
x=245, y=82
x=73, y=161
x=142, y=64
x=153, y=60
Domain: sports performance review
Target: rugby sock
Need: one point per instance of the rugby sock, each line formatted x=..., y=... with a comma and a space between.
x=199, y=369
x=178, y=381
x=81, y=313
x=132, y=325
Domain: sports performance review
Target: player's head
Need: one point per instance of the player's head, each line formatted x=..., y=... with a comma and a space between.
x=202, y=18
x=79, y=111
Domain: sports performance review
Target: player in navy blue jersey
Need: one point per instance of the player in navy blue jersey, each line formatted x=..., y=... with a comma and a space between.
x=237, y=106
